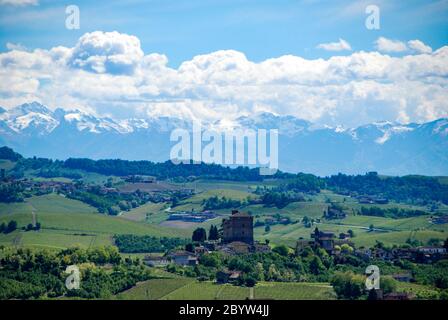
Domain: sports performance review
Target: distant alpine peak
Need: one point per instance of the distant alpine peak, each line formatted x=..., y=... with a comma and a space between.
x=440, y=126
x=384, y=123
x=34, y=106
x=387, y=147
x=286, y=124
x=37, y=118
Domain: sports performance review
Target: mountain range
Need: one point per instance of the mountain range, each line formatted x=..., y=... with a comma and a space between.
x=32, y=129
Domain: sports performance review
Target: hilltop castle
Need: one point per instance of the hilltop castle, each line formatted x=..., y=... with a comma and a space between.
x=238, y=227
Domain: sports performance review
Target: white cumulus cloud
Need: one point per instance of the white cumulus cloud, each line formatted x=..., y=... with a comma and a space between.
x=419, y=46
x=107, y=52
x=387, y=45
x=341, y=45
x=15, y=46
x=19, y=2
x=110, y=74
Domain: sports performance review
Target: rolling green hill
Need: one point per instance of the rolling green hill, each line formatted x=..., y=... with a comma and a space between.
x=187, y=288
x=66, y=222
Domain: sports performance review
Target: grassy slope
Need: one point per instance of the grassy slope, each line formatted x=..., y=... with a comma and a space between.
x=69, y=217
x=67, y=222
x=153, y=289
x=156, y=213
x=396, y=231
x=185, y=288
x=294, y=291
x=195, y=202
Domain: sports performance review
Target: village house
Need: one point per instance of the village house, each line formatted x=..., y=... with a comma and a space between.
x=343, y=236
x=322, y=239
x=429, y=254
x=183, y=258
x=372, y=200
x=403, y=253
x=363, y=253
x=261, y=247
x=200, y=250
x=226, y=276
x=440, y=220
x=140, y=178
x=334, y=213
x=382, y=254
x=156, y=261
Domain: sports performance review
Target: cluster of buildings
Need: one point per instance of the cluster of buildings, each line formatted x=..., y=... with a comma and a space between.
x=372, y=200
x=48, y=186
x=192, y=216
x=440, y=219
x=326, y=240
x=237, y=238
x=139, y=178
x=332, y=244
x=418, y=254
x=334, y=213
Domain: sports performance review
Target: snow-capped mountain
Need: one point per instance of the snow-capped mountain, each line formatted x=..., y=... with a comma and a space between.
x=390, y=148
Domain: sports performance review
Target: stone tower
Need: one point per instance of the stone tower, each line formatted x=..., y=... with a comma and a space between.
x=238, y=227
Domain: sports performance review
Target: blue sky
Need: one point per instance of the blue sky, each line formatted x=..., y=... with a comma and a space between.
x=261, y=29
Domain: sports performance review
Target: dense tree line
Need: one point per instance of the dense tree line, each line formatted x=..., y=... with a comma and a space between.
x=278, y=265
x=130, y=243
x=163, y=170
x=216, y=203
x=349, y=285
x=59, y=172
x=11, y=192
x=110, y=203
x=200, y=235
x=26, y=274
x=280, y=199
x=213, y=233
x=413, y=189
x=302, y=182
x=9, y=154
x=8, y=227
x=395, y=213
x=435, y=274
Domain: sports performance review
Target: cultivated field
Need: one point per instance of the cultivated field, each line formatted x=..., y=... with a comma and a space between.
x=190, y=289
x=73, y=222
x=67, y=222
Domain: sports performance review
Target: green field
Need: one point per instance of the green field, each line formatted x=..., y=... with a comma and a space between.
x=397, y=237
x=156, y=213
x=294, y=291
x=66, y=222
x=195, y=202
x=74, y=222
x=189, y=289
x=153, y=289
x=249, y=186
x=420, y=291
